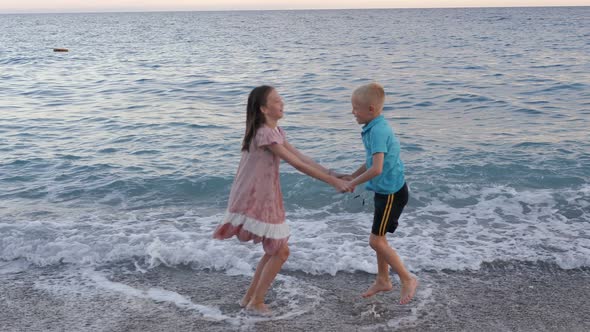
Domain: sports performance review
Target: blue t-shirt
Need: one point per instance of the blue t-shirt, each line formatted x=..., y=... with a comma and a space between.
x=378, y=137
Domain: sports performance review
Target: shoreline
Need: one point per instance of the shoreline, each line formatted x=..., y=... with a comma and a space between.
x=502, y=296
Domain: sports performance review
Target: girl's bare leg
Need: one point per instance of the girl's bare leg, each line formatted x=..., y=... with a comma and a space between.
x=255, y=279
x=267, y=276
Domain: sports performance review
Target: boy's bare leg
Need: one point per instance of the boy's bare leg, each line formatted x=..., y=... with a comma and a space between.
x=409, y=283
x=267, y=276
x=382, y=282
x=255, y=279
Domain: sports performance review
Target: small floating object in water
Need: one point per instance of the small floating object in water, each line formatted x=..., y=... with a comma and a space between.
x=60, y=50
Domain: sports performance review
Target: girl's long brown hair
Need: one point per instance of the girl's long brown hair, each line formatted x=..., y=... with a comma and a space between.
x=254, y=116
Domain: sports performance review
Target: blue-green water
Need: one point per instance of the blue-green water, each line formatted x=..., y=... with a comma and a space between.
x=124, y=149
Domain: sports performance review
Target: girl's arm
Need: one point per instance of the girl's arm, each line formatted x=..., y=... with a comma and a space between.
x=305, y=158
x=311, y=162
x=367, y=174
x=284, y=153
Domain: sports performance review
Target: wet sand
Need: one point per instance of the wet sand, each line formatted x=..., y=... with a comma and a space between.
x=498, y=297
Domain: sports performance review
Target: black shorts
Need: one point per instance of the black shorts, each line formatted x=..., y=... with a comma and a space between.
x=388, y=208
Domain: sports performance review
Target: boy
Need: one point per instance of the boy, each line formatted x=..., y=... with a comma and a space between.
x=384, y=174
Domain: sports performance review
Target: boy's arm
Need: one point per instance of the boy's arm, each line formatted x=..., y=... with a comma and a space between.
x=370, y=173
x=359, y=171
x=350, y=177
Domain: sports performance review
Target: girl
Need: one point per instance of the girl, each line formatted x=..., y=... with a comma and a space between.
x=255, y=208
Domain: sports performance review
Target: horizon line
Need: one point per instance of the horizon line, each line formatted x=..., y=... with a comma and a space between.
x=118, y=11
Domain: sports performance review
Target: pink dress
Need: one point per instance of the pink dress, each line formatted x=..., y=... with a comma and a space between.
x=255, y=208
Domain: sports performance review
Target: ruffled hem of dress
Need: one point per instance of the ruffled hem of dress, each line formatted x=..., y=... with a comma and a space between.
x=272, y=236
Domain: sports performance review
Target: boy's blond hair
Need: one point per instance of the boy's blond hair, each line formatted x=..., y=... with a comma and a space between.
x=371, y=94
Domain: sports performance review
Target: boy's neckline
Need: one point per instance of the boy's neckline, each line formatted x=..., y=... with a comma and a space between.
x=371, y=123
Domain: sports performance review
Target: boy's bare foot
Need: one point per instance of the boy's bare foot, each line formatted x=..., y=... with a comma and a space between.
x=258, y=308
x=378, y=286
x=408, y=291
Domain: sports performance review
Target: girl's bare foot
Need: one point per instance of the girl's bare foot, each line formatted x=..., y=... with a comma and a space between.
x=259, y=308
x=378, y=286
x=408, y=291
x=244, y=302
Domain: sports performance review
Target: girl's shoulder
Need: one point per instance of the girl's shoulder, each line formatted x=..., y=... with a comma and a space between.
x=265, y=130
x=266, y=136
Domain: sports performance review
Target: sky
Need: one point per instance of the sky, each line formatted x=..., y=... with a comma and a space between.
x=52, y=6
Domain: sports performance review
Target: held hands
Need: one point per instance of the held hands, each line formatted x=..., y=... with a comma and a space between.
x=342, y=186
x=342, y=182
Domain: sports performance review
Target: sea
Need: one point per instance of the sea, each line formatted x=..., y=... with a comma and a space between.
x=119, y=155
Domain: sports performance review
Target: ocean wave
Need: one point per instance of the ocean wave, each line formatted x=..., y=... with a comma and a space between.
x=462, y=229
x=558, y=88
x=528, y=111
x=469, y=98
x=72, y=179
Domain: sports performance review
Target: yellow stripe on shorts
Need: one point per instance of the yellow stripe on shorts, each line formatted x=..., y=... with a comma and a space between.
x=384, y=220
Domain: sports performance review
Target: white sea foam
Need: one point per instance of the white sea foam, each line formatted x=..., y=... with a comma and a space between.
x=499, y=223
x=15, y=266
x=422, y=300
x=296, y=297
x=158, y=295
